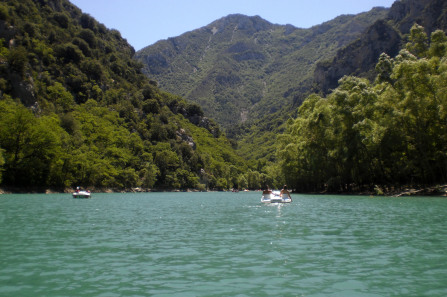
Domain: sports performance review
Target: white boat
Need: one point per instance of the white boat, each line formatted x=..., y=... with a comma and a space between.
x=275, y=197
x=81, y=194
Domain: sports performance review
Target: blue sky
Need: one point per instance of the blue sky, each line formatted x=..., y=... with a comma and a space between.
x=144, y=22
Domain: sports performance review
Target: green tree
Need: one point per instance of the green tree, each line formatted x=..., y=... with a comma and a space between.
x=18, y=59
x=253, y=180
x=418, y=41
x=59, y=96
x=384, y=68
x=167, y=162
x=303, y=151
x=149, y=175
x=32, y=145
x=2, y=162
x=242, y=182
x=221, y=184
x=418, y=100
x=187, y=179
x=438, y=44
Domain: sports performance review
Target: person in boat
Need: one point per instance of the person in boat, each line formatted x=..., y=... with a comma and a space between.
x=285, y=193
x=267, y=191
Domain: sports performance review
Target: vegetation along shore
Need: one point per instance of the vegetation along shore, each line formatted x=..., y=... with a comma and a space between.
x=365, y=113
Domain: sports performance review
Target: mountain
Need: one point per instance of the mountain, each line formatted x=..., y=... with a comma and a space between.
x=384, y=36
x=240, y=67
x=76, y=110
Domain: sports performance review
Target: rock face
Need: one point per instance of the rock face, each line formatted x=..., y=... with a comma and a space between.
x=23, y=89
x=359, y=57
x=384, y=36
x=431, y=14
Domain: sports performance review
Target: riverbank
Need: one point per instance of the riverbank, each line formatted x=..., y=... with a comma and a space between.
x=397, y=191
x=440, y=190
x=35, y=190
x=437, y=190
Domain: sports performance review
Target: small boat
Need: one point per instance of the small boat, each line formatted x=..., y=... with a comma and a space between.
x=81, y=194
x=275, y=197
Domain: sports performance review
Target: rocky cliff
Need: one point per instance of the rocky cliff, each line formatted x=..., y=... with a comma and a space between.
x=359, y=57
x=384, y=36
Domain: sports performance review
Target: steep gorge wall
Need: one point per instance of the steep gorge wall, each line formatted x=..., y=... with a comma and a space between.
x=385, y=36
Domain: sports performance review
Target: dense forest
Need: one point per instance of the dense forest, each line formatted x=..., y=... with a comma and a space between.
x=378, y=135
x=76, y=110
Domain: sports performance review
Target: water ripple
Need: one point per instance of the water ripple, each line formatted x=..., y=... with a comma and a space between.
x=221, y=244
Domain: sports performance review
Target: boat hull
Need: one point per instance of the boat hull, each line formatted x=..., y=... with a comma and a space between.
x=82, y=195
x=274, y=198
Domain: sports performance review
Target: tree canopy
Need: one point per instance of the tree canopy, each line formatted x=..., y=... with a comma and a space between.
x=389, y=132
x=75, y=109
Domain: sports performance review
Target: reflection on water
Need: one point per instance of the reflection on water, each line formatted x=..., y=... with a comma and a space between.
x=221, y=244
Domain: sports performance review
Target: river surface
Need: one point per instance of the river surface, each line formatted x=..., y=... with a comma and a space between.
x=221, y=244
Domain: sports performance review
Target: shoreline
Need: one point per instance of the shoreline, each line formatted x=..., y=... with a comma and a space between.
x=16, y=190
x=404, y=191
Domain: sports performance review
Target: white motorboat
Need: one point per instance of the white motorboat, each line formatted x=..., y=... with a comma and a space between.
x=275, y=197
x=81, y=194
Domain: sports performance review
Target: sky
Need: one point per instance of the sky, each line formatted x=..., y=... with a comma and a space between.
x=144, y=22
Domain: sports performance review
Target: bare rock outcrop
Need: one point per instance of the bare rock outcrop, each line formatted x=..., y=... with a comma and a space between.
x=359, y=57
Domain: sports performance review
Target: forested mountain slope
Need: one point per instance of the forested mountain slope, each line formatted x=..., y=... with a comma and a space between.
x=75, y=109
x=241, y=67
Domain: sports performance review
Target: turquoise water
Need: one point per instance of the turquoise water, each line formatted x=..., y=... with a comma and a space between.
x=221, y=244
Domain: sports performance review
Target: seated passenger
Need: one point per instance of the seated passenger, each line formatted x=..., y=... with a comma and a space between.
x=285, y=193
x=267, y=191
